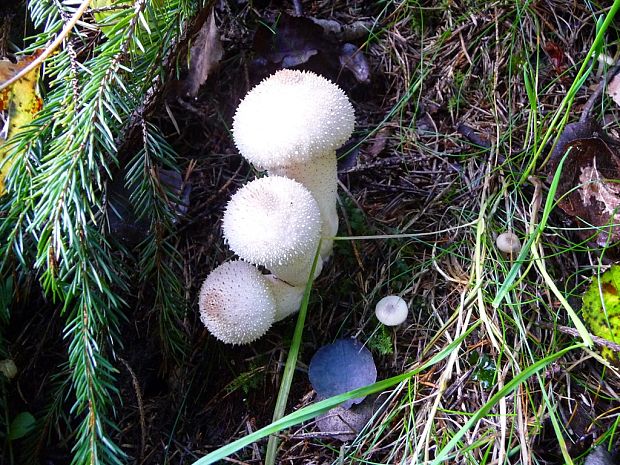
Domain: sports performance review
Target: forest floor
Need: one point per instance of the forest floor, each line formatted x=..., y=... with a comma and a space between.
x=453, y=101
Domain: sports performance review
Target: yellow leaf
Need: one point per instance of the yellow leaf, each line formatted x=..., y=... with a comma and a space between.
x=19, y=103
x=601, y=308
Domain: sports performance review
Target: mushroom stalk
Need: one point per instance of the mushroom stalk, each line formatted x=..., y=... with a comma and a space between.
x=288, y=298
x=321, y=179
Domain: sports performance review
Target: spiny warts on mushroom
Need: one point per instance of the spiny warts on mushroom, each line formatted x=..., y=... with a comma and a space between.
x=275, y=222
x=292, y=117
x=291, y=124
x=391, y=310
x=236, y=303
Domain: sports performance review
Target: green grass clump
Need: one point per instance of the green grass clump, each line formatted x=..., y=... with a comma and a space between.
x=381, y=342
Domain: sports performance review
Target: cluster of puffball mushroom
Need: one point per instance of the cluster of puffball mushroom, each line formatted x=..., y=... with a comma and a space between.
x=290, y=126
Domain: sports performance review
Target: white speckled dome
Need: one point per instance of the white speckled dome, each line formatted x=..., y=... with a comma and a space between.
x=292, y=116
x=236, y=303
x=274, y=222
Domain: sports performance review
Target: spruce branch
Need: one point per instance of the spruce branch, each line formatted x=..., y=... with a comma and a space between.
x=50, y=48
x=55, y=215
x=160, y=262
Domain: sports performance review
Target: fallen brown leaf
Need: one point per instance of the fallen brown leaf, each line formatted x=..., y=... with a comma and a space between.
x=588, y=189
x=205, y=56
x=295, y=41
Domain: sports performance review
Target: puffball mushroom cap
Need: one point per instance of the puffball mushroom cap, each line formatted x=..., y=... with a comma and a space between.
x=508, y=243
x=291, y=117
x=236, y=303
x=391, y=310
x=274, y=222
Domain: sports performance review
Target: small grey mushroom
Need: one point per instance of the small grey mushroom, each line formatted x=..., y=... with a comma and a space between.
x=508, y=243
x=391, y=310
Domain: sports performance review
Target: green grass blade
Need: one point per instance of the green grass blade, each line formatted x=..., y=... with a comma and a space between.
x=314, y=410
x=442, y=456
x=512, y=274
x=514, y=270
x=551, y=410
x=291, y=363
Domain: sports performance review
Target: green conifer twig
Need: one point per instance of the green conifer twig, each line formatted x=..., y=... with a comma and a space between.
x=55, y=215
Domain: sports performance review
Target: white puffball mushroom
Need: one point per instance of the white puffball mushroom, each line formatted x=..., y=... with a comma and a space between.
x=291, y=125
x=391, y=310
x=292, y=117
x=508, y=243
x=275, y=222
x=236, y=303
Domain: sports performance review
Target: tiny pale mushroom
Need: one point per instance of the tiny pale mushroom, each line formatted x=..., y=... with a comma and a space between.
x=8, y=368
x=508, y=243
x=391, y=310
